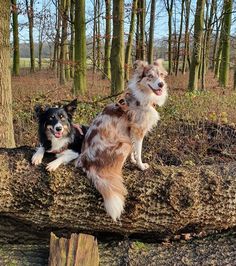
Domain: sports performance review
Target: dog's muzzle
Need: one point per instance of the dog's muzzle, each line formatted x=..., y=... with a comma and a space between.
x=158, y=89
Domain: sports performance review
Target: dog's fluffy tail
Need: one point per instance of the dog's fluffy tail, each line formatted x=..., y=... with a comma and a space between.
x=113, y=191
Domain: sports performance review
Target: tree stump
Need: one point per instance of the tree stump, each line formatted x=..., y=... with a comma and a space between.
x=79, y=250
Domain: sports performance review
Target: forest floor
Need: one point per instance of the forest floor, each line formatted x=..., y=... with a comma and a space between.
x=194, y=129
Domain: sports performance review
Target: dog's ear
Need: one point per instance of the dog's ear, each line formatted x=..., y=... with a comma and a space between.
x=139, y=64
x=38, y=111
x=161, y=69
x=71, y=107
x=139, y=67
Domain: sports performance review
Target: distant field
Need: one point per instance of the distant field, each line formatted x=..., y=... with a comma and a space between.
x=25, y=62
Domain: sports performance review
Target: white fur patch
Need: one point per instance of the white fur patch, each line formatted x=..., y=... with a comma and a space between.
x=57, y=144
x=38, y=156
x=114, y=206
x=62, y=158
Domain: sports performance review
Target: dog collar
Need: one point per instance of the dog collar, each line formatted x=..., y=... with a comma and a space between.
x=63, y=148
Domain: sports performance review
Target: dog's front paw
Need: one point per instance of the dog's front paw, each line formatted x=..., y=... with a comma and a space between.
x=37, y=158
x=143, y=166
x=52, y=166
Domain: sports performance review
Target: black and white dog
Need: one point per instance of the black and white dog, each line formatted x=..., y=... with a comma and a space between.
x=58, y=135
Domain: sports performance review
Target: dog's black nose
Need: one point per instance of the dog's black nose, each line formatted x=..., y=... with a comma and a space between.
x=160, y=84
x=59, y=128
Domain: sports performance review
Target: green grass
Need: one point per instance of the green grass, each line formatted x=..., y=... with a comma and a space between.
x=25, y=62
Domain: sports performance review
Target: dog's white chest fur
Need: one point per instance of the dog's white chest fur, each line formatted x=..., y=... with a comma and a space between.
x=57, y=144
x=153, y=117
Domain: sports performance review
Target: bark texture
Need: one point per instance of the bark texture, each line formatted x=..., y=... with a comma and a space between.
x=107, y=47
x=129, y=44
x=151, y=30
x=117, y=48
x=16, y=50
x=80, y=49
x=198, y=31
x=6, y=121
x=224, y=65
x=161, y=201
x=30, y=14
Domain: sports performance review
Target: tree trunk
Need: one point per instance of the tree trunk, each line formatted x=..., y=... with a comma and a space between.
x=40, y=54
x=198, y=30
x=163, y=201
x=218, y=55
x=216, y=37
x=64, y=9
x=130, y=39
x=6, y=119
x=142, y=8
x=98, y=39
x=151, y=34
x=16, y=51
x=107, y=48
x=214, y=250
x=79, y=86
x=57, y=37
x=30, y=14
x=117, y=49
x=186, y=35
x=179, y=38
x=72, y=38
x=137, y=37
x=169, y=8
x=80, y=249
x=94, y=35
x=225, y=55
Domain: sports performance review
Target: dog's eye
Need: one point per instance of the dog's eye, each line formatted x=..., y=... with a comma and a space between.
x=150, y=75
x=61, y=116
x=51, y=117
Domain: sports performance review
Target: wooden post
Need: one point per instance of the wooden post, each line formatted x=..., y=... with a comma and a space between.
x=79, y=250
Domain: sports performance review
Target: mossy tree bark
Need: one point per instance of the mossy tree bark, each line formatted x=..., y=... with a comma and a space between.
x=130, y=39
x=151, y=31
x=15, y=28
x=161, y=201
x=225, y=55
x=198, y=31
x=6, y=119
x=79, y=86
x=30, y=14
x=107, y=48
x=117, y=49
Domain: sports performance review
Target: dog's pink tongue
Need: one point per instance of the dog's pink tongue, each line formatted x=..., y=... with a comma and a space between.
x=158, y=92
x=58, y=134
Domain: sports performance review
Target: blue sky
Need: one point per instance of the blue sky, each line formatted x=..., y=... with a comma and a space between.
x=161, y=23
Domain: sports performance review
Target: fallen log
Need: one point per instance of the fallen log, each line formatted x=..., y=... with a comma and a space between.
x=161, y=201
x=212, y=250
